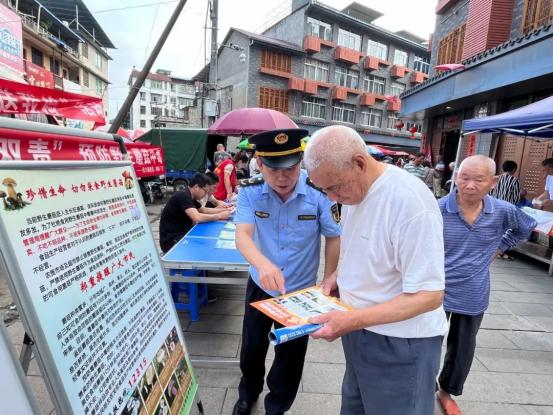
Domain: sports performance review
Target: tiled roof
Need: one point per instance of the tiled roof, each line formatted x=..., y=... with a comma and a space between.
x=483, y=57
x=268, y=40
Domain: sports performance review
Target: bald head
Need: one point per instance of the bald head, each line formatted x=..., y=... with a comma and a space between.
x=478, y=160
x=336, y=145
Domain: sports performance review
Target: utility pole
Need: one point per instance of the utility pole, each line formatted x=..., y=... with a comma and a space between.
x=145, y=70
x=213, y=60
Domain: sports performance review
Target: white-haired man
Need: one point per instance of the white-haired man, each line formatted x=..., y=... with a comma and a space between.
x=477, y=227
x=389, y=272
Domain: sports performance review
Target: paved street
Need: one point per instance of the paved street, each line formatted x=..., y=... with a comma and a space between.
x=512, y=372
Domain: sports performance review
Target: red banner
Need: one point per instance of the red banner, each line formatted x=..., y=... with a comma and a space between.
x=38, y=76
x=18, y=98
x=471, y=147
x=29, y=145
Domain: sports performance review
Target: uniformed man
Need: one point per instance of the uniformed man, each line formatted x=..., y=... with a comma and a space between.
x=279, y=222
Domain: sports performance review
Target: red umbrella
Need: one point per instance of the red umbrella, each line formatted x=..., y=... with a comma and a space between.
x=246, y=121
x=449, y=67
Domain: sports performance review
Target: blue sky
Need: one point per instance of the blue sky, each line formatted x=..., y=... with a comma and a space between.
x=134, y=30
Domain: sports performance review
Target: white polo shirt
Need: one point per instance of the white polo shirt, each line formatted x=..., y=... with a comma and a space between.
x=392, y=243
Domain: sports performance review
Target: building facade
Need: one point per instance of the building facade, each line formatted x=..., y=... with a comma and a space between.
x=504, y=47
x=325, y=66
x=64, y=47
x=163, y=101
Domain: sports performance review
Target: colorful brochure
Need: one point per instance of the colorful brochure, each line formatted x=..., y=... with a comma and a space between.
x=294, y=310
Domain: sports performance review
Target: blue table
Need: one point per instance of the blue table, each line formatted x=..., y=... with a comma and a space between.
x=197, y=259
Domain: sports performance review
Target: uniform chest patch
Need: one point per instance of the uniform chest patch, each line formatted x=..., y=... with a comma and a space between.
x=307, y=217
x=261, y=214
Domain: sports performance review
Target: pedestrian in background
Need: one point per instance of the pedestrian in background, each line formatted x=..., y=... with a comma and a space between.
x=477, y=228
x=415, y=166
x=508, y=186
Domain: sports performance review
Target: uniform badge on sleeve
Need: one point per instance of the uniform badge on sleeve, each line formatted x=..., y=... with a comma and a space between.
x=335, y=212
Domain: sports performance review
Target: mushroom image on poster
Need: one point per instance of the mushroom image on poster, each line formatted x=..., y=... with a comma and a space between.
x=12, y=199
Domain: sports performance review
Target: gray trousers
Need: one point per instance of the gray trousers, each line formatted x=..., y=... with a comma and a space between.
x=389, y=375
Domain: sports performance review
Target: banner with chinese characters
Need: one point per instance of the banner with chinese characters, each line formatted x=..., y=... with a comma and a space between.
x=86, y=266
x=147, y=160
x=19, y=98
x=38, y=76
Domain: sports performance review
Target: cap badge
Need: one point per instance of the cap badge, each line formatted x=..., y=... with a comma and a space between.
x=281, y=138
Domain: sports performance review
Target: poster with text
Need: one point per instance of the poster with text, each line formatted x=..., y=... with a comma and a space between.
x=91, y=273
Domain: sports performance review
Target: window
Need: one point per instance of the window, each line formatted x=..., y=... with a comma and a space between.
x=275, y=99
x=186, y=102
x=99, y=86
x=142, y=123
x=374, y=85
x=86, y=78
x=450, y=48
x=84, y=50
x=392, y=121
x=275, y=60
x=156, y=84
x=397, y=89
x=173, y=101
x=143, y=109
x=400, y=57
x=346, y=77
x=156, y=98
x=421, y=64
x=157, y=111
x=313, y=107
x=37, y=57
x=343, y=112
x=98, y=61
x=536, y=13
x=349, y=40
x=173, y=87
x=55, y=66
x=378, y=50
x=315, y=70
x=319, y=29
x=142, y=96
x=371, y=117
x=186, y=89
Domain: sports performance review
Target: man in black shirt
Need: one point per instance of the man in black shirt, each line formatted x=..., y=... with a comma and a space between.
x=182, y=211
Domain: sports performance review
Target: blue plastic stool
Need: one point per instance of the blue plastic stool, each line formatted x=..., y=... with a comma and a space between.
x=197, y=293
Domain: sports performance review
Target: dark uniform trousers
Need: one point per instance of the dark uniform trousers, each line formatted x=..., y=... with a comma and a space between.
x=461, y=344
x=285, y=374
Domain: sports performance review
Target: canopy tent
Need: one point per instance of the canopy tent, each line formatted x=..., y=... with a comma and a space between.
x=533, y=120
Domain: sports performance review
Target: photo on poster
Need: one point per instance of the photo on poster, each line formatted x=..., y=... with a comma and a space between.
x=171, y=390
x=147, y=382
x=183, y=376
x=160, y=360
x=133, y=405
x=162, y=407
x=172, y=340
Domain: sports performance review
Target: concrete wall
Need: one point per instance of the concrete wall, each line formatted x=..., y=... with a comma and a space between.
x=290, y=29
x=232, y=72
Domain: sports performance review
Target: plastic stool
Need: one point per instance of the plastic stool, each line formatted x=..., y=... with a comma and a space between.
x=197, y=293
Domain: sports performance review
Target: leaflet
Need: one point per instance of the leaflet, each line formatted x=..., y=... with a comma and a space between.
x=294, y=310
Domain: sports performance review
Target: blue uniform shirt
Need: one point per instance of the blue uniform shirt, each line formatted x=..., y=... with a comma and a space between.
x=470, y=249
x=288, y=233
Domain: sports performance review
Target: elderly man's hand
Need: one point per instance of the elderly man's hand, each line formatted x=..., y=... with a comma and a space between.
x=271, y=278
x=335, y=324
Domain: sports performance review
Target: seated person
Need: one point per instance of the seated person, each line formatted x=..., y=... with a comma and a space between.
x=183, y=210
x=210, y=201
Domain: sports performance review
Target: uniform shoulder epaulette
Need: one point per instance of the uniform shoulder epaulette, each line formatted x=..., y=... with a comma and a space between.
x=252, y=181
x=311, y=184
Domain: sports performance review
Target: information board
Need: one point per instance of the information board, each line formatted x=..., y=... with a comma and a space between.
x=85, y=272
